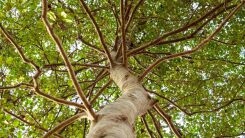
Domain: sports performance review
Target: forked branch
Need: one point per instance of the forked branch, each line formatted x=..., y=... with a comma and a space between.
x=199, y=46
x=181, y=29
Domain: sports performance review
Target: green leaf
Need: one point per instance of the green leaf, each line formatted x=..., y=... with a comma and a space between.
x=9, y=60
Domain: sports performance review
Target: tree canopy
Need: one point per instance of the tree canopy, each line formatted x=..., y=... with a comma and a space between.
x=188, y=54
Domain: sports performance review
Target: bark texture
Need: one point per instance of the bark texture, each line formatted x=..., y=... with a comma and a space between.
x=116, y=120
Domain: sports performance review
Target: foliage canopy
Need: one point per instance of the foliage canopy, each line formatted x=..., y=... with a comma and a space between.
x=203, y=91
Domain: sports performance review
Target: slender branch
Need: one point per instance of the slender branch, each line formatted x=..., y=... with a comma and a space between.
x=168, y=120
x=64, y=124
x=128, y=9
x=96, y=80
x=155, y=124
x=114, y=11
x=124, y=48
x=146, y=126
x=198, y=29
x=132, y=14
x=19, y=49
x=57, y=100
x=66, y=60
x=76, y=64
x=29, y=123
x=173, y=103
x=16, y=86
x=90, y=45
x=98, y=77
x=78, y=22
x=165, y=35
x=218, y=108
x=100, y=91
x=87, y=10
x=199, y=46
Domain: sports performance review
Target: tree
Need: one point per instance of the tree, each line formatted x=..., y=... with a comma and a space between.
x=123, y=68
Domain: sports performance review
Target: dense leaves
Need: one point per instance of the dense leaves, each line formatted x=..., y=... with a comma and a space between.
x=202, y=92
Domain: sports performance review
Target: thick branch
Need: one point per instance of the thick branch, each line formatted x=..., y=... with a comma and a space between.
x=199, y=46
x=66, y=60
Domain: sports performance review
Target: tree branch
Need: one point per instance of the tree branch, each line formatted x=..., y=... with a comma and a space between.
x=64, y=124
x=87, y=10
x=29, y=123
x=37, y=74
x=168, y=120
x=198, y=29
x=70, y=70
x=199, y=46
x=76, y=64
x=16, y=86
x=155, y=124
x=132, y=14
x=100, y=91
x=19, y=49
x=124, y=48
x=165, y=35
x=146, y=126
x=90, y=45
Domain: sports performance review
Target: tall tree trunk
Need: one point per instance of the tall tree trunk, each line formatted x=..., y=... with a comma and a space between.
x=116, y=120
